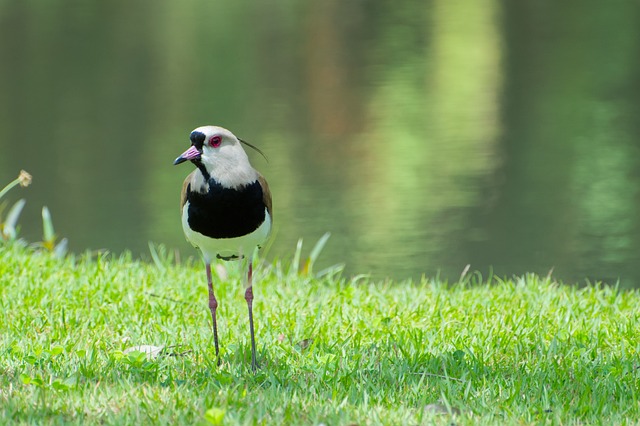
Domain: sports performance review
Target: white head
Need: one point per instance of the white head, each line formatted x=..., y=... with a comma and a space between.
x=218, y=153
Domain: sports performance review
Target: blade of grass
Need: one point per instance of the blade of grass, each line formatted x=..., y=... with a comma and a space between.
x=10, y=224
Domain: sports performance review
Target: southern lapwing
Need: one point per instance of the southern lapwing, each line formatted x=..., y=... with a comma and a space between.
x=226, y=208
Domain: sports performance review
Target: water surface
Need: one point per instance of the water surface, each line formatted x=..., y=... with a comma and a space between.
x=424, y=136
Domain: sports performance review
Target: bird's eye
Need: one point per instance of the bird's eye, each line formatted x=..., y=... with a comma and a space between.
x=215, y=141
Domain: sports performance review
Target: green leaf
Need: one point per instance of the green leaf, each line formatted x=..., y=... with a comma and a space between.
x=59, y=385
x=12, y=219
x=25, y=378
x=215, y=416
x=156, y=257
x=315, y=252
x=56, y=350
x=295, y=264
x=37, y=381
x=60, y=250
x=47, y=226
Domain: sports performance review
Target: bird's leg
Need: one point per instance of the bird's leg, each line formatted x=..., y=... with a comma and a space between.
x=248, y=295
x=213, y=306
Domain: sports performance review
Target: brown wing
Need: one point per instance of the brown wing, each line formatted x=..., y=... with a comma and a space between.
x=266, y=194
x=183, y=194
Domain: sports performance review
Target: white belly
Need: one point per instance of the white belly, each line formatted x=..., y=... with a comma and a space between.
x=226, y=247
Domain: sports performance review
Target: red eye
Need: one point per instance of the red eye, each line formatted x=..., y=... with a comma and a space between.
x=215, y=141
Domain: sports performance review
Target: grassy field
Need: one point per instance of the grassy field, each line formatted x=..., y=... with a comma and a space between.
x=331, y=351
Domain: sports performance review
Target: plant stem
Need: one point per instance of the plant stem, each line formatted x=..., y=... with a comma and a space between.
x=7, y=188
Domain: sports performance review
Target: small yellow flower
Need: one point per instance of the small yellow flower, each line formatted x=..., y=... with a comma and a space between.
x=24, y=178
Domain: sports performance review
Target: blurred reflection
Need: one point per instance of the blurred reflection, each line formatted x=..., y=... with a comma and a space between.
x=424, y=135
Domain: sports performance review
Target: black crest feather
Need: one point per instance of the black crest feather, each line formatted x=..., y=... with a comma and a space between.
x=254, y=147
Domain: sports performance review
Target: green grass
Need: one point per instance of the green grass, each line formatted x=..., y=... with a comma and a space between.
x=332, y=351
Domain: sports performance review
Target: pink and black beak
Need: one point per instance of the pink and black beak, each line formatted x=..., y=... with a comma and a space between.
x=192, y=153
x=195, y=151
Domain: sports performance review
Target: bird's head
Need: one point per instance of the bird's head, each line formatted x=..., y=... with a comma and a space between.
x=214, y=146
x=219, y=153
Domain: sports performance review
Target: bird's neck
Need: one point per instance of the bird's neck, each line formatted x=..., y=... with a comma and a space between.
x=203, y=169
x=228, y=177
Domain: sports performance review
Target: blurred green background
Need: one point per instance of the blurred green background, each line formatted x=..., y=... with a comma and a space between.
x=424, y=135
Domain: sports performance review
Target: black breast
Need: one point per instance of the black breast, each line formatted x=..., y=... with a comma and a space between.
x=226, y=212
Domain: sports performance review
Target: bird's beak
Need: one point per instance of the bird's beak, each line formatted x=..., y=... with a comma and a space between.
x=191, y=154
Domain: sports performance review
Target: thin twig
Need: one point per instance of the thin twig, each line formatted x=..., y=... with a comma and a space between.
x=167, y=298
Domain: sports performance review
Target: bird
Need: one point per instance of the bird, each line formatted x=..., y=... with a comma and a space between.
x=226, y=209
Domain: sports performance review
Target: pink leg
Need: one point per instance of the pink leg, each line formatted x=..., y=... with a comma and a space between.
x=213, y=306
x=248, y=295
